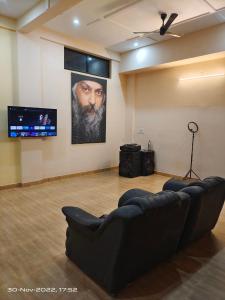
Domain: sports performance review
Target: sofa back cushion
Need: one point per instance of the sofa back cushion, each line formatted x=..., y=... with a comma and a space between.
x=151, y=232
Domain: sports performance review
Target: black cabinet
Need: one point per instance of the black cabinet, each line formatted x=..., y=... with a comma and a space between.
x=139, y=163
x=147, y=162
x=130, y=164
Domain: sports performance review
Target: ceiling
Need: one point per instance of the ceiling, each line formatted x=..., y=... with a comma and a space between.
x=112, y=22
x=16, y=8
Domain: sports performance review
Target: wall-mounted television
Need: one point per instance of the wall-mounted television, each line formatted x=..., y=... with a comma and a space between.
x=31, y=122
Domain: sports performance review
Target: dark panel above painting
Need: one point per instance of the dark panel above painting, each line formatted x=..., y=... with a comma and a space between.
x=86, y=63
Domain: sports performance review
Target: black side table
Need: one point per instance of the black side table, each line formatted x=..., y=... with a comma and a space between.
x=130, y=164
x=147, y=162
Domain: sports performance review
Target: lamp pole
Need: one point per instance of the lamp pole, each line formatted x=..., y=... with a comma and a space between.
x=193, y=128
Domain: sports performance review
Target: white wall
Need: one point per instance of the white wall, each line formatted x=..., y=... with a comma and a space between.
x=155, y=102
x=43, y=82
x=164, y=106
x=9, y=149
x=130, y=112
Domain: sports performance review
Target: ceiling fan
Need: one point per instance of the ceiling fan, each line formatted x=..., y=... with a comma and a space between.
x=163, y=29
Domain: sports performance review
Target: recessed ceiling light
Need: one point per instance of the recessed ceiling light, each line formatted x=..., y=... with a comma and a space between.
x=76, y=22
x=136, y=44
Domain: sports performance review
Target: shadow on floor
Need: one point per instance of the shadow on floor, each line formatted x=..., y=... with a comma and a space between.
x=164, y=281
x=183, y=274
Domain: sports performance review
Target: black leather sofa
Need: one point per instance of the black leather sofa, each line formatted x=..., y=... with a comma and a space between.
x=207, y=199
x=144, y=230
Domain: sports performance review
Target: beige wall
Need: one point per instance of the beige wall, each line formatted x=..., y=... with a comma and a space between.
x=9, y=149
x=43, y=82
x=164, y=106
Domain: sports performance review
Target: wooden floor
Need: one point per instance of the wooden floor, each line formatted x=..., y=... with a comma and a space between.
x=32, y=237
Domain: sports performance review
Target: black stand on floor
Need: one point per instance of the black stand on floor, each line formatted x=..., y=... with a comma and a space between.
x=193, y=128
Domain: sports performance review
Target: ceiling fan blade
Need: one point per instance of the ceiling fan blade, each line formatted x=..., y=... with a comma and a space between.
x=133, y=38
x=173, y=34
x=171, y=19
x=146, y=34
x=142, y=32
x=165, y=27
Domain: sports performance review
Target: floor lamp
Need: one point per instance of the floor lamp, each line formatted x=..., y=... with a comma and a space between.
x=193, y=128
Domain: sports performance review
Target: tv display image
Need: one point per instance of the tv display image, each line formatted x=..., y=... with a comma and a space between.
x=31, y=122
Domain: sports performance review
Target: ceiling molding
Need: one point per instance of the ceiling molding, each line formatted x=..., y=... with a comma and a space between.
x=42, y=13
x=121, y=9
x=113, y=12
x=7, y=28
x=190, y=19
x=210, y=5
x=7, y=23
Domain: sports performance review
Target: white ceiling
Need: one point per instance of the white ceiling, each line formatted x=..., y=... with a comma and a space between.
x=112, y=22
x=16, y=8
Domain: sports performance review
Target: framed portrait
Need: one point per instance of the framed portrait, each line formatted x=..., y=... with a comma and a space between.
x=88, y=97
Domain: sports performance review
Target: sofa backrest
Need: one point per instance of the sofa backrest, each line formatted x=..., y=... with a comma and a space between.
x=207, y=199
x=151, y=228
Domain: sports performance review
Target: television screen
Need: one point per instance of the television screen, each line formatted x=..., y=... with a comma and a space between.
x=31, y=122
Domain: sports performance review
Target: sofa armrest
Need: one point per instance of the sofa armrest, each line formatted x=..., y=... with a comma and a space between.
x=81, y=219
x=133, y=193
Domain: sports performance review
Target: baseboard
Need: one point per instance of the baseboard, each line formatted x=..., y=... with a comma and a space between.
x=10, y=186
x=66, y=176
x=168, y=174
x=16, y=185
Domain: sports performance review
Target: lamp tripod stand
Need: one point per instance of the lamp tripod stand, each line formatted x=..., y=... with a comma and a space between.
x=193, y=128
